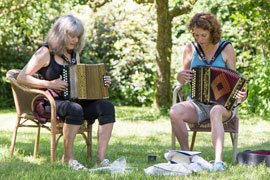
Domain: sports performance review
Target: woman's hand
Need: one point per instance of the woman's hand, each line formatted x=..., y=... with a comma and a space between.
x=107, y=81
x=241, y=95
x=58, y=84
x=185, y=76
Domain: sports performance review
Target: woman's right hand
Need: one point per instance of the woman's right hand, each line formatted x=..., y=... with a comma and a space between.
x=59, y=84
x=185, y=76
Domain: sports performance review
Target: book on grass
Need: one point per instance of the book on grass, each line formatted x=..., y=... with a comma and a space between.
x=176, y=156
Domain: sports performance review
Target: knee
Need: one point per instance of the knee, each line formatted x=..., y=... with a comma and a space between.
x=216, y=112
x=74, y=114
x=173, y=112
x=107, y=107
x=176, y=113
x=76, y=110
x=107, y=113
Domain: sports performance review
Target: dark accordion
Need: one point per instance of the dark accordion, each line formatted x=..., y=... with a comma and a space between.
x=216, y=85
x=85, y=81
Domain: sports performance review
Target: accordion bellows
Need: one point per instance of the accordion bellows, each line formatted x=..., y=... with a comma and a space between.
x=216, y=85
x=86, y=81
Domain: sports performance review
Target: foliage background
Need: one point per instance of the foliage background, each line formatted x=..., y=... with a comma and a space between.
x=122, y=35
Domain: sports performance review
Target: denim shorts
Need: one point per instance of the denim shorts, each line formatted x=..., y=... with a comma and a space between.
x=203, y=110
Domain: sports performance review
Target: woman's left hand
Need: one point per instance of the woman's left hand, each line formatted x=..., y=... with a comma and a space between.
x=242, y=95
x=107, y=81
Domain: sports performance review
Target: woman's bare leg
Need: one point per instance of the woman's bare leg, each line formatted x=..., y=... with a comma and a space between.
x=104, y=135
x=218, y=114
x=179, y=115
x=69, y=134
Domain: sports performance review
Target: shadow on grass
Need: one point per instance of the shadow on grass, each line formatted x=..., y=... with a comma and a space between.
x=25, y=143
x=23, y=168
x=8, y=110
x=134, y=149
x=135, y=153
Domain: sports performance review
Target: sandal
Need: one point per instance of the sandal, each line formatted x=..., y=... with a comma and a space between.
x=77, y=166
x=105, y=163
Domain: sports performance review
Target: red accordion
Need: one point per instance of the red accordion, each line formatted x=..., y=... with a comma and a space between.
x=216, y=85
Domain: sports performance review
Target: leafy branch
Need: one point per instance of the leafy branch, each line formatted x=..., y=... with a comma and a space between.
x=13, y=8
x=183, y=9
x=95, y=4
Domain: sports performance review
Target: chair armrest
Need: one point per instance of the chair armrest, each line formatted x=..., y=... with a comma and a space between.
x=177, y=92
x=47, y=95
x=51, y=100
x=12, y=75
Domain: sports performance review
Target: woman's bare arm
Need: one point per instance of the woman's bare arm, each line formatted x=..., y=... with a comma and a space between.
x=40, y=59
x=186, y=75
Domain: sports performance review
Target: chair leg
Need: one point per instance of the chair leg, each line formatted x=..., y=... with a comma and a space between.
x=37, y=142
x=232, y=138
x=53, y=147
x=235, y=143
x=89, y=142
x=14, y=136
x=173, y=141
x=193, y=140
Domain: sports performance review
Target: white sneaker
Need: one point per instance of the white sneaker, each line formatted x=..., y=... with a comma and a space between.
x=105, y=163
x=218, y=166
x=77, y=166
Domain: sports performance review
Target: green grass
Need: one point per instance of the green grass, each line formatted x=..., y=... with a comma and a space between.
x=137, y=133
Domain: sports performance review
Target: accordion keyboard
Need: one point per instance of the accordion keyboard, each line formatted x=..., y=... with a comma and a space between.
x=65, y=78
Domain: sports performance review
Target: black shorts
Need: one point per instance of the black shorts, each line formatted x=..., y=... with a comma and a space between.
x=75, y=113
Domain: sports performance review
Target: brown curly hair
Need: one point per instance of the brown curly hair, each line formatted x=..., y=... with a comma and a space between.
x=206, y=21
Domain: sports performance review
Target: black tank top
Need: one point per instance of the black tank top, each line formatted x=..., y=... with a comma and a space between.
x=53, y=70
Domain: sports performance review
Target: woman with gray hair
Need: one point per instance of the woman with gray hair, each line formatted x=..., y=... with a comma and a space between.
x=63, y=43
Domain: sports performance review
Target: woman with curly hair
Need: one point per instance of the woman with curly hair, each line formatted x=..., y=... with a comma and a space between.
x=207, y=32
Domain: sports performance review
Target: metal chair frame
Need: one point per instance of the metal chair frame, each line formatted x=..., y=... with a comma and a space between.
x=230, y=126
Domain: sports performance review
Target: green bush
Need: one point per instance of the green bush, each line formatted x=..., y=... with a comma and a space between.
x=119, y=38
x=21, y=32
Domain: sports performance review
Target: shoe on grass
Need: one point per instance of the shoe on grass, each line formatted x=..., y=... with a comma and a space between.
x=105, y=163
x=218, y=166
x=76, y=165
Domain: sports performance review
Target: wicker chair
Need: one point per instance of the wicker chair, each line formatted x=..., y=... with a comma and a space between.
x=230, y=126
x=24, y=98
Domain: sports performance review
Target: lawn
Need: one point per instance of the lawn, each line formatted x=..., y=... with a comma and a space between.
x=138, y=132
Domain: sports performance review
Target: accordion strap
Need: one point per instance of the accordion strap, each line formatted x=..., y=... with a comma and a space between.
x=73, y=55
x=73, y=58
x=200, y=52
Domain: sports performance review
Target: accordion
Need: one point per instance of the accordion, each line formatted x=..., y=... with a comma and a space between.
x=216, y=85
x=85, y=81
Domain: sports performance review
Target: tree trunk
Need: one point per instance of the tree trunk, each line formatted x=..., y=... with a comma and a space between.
x=163, y=57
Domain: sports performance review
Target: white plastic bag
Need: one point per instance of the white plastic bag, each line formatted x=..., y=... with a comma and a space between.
x=179, y=169
x=117, y=166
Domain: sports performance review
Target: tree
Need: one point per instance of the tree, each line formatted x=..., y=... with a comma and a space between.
x=164, y=46
x=93, y=4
